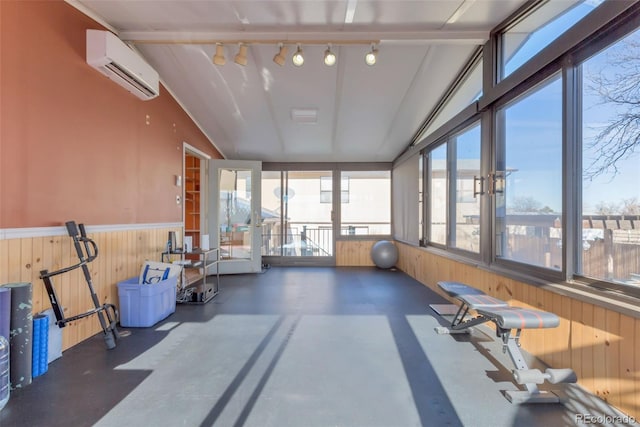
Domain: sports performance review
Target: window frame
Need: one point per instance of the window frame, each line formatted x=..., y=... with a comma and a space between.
x=340, y=219
x=453, y=188
x=592, y=34
x=428, y=162
x=627, y=24
x=448, y=247
x=523, y=91
x=337, y=168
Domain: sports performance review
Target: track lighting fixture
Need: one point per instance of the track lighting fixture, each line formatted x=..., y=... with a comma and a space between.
x=371, y=56
x=329, y=57
x=281, y=56
x=241, y=57
x=218, y=58
x=298, y=58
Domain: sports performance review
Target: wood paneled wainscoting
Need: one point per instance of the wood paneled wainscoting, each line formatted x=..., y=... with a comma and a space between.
x=121, y=252
x=601, y=345
x=354, y=253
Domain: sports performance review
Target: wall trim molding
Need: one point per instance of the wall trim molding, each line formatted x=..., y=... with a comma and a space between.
x=30, y=232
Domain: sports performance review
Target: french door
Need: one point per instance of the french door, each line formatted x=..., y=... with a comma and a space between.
x=298, y=217
x=235, y=220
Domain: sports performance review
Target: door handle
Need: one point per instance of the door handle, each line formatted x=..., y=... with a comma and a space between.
x=478, y=186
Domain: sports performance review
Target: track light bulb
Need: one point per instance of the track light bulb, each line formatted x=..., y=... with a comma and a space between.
x=241, y=57
x=371, y=57
x=218, y=58
x=298, y=58
x=329, y=57
x=281, y=56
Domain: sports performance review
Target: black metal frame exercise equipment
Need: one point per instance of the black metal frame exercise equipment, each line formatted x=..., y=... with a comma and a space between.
x=87, y=251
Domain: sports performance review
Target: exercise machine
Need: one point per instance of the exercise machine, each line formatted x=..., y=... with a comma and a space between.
x=507, y=319
x=87, y=251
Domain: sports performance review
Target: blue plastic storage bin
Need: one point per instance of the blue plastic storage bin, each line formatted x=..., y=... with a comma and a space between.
x=146, y=305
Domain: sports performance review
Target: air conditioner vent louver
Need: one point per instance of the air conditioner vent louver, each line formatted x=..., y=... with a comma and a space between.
x=109, y=55
x=124, y=74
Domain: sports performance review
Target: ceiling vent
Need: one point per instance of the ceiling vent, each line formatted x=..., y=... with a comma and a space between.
x=304, y=115
x=109, y=55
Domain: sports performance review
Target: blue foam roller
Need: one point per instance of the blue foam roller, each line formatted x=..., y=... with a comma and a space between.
x=40, y=344
x=54, y=340
x=35, y=348
x=44, y=345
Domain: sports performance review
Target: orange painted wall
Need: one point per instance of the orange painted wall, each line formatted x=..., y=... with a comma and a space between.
x=73, y=144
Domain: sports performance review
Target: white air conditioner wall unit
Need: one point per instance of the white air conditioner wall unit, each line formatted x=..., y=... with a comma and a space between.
x=109, y=55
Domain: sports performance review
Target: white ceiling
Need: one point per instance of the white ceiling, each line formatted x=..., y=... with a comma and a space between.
x=364, y=114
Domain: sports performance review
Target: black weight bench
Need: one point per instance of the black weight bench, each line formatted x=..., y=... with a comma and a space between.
x=507, y=319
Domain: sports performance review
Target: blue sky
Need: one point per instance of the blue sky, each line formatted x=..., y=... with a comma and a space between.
x=544, y=35
x=534, y=131
x=537, y=130
x=609, y=187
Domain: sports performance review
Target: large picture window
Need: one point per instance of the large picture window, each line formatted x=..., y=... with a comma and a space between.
x=367, y=209
x=610, y=240
x=544, y=182
x=466, y=208
x=528, y=178
x=437, y=193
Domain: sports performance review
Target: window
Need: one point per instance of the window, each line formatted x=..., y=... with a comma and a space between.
x=437, y=195
x=528, y=178
x=326, y=183
x=367, y=209
x=538, y=29
x=466, y=209
x=550, y=158
x=452, y=194
x=610, y=245
x=468, y=90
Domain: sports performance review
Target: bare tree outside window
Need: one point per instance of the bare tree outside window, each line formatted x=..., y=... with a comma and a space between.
x=617, y=85
x=611, y=164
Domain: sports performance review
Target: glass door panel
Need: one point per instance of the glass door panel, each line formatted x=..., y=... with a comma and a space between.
x=234, y=217
x=307, y=207
x=272, y=240
x=236, y=221
x=297, y=214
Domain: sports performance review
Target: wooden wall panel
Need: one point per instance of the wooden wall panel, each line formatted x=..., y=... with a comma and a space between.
x=354, y=253
x=602, y=346
x=120, y=256
x=612, y=354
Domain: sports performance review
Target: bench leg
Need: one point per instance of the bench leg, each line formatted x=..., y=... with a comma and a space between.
x=532, y=394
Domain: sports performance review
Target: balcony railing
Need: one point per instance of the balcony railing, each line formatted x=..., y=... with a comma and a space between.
x=311, y=239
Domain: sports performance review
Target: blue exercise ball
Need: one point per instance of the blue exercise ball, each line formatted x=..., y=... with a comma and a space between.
x=384, y=254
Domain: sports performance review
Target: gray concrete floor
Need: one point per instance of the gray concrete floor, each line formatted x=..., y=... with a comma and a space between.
x=294, y=347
